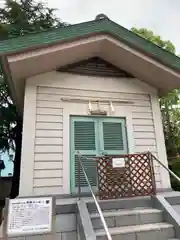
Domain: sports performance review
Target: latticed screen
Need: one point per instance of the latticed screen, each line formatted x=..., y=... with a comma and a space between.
x=136, y=178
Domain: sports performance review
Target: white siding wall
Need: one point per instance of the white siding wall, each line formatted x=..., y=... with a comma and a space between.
x=48, y=149
x=51, y=137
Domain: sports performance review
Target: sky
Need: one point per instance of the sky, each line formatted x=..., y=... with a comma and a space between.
x=161, y=16
x=9, y=165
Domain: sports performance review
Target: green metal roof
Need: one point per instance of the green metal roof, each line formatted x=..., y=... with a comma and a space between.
x=82, y=30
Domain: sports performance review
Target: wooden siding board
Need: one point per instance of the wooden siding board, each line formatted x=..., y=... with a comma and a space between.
x=49, y=118
x=48, y=148
x=49, y=111
x=145, y=142
x=49, y=126
x=47, y=173
x=143, y=128
x=145, y=135
x=48, y=105
x=47, y=165
x=48, y=157
x=89, y=93
x=48, y=141
x=141, y=109
x=49, y=133
x=58, y=98
x=143, y=122
x=54, y=190
x=139, y=115
x=47, y=182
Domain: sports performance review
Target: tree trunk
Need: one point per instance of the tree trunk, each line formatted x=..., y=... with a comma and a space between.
x=17, y=161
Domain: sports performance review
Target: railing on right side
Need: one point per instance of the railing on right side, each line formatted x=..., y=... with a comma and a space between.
x=165, y=167
x=136, y=178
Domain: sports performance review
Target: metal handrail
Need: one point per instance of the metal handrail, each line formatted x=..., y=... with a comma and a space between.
x=95, y=200
x=166, y=168
x=80, y=166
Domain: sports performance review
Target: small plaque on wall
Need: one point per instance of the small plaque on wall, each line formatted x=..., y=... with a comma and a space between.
x=98, y=112
x=118, y=162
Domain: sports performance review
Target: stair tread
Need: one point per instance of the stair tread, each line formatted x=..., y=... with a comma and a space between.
x=90, y=200
x=135, y=228
x=123, y=212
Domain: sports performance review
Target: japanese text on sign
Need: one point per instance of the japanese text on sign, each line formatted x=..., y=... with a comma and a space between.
x=29, y=216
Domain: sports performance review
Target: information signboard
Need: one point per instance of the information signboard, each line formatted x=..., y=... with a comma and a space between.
x=29, y=216
x=118, y=162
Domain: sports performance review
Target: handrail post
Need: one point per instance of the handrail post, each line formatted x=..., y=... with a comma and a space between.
x=166, y=168
x=79, y=175
x=95, y=200
x=152, y=171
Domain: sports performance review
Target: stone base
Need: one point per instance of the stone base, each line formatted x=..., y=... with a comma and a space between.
x=58, y=236
x=65, y=229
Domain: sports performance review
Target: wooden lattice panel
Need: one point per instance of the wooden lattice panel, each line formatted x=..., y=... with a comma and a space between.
x=135, y=179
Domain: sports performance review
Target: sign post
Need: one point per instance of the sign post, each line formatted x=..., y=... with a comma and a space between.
x=29, y=216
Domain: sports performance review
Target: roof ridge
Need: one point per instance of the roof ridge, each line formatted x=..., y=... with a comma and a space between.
x=53, y=29
x=146, y=40
x=71, y=32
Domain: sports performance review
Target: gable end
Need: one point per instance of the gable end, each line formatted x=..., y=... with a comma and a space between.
x=95, y=66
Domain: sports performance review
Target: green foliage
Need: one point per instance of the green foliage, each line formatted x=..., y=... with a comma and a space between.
x=169, y=108
x=19, y=17
x=149, y=35
x=25, y=16
x=174, y=165
x=8, y=118
x=171, y=122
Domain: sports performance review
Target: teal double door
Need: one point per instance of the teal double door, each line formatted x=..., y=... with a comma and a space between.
x=91, y=137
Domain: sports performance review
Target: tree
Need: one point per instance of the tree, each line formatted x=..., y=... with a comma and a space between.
x=19, y=17
x=170, y=115
x=169, y=109
x=150, y=36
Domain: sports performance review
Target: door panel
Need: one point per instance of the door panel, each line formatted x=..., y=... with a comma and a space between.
x=90, y=167
x=113, y=140
x=83, y=139
x=94, y=136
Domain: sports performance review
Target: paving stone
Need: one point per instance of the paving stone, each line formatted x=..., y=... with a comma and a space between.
x=69, y=235
x=65, y=222
x=40, y=237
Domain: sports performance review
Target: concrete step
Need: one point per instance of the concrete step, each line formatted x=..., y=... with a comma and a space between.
x=125, y=203
x=163, y=231
x=121, y=218
x=177, y=208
